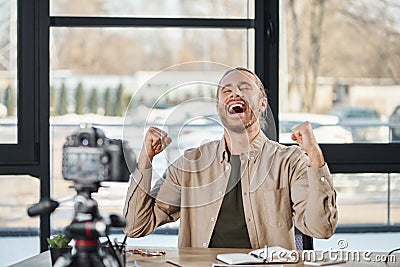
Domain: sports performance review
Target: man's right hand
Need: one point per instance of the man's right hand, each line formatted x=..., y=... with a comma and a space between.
x=155, y=141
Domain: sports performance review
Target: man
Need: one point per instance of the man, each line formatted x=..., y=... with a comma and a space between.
x=241, y=191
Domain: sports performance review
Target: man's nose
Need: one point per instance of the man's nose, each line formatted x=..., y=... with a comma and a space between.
x=236, y=91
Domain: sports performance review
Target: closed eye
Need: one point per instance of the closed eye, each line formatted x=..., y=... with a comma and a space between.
x=225, y=90
x=245, y=88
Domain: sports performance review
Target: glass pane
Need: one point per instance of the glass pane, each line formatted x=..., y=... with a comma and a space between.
x=8, y=72
x=394, y=216
x=96, y=73
x=155, y=8
x=17, y=229
x=365, y=198
x=342, y=59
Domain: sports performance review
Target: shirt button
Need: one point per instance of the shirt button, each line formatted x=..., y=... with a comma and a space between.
x=252, y=157
x=220, y=193
x=245, y=193
x=227, y=168
x=323, y=179
x=205, y=245
x=212, y=219
x=249, y=219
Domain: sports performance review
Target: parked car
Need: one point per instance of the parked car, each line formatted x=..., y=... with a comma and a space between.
x=199, y=131
x=365, y=124
x=394, y=122
x=325, y=128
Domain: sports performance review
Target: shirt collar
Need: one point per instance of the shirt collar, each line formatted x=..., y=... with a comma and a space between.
x=255, y=147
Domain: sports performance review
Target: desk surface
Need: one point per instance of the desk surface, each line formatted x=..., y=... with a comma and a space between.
x=198, y=257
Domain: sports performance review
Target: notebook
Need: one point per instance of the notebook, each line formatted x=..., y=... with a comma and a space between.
x=274, y=254
x=324, y=262
x=244, y=265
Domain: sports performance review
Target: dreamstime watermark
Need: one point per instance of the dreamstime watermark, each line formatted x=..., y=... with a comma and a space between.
x=283, y=255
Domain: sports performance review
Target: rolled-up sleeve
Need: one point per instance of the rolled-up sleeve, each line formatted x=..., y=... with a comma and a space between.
x=314, y=200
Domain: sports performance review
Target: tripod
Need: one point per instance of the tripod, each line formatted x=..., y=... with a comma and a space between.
x=86, y=228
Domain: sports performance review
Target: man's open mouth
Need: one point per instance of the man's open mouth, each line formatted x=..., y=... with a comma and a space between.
x=236, y=107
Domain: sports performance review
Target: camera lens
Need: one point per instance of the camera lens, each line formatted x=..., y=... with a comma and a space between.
x=84, y=140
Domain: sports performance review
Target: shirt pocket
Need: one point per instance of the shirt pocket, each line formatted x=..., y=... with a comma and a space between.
x=277, y=208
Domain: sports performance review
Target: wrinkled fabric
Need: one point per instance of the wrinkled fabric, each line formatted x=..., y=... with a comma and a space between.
x=279, y=190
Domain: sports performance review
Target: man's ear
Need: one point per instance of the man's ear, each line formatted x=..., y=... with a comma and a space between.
x=216, y=108
x=264, y=104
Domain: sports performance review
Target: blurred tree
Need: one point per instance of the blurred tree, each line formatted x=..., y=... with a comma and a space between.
x=378, y=25
x=7, y=44
x=109, y=109
x=53, y=101
x=93, y=101
x=78, y=7
x=63, y=107
x=325, y=39
x=312, y=70
x=10, y=101
x=80, y=101
x=295, y=54
x=311, y=63
x=120, y=103
x=340, y=39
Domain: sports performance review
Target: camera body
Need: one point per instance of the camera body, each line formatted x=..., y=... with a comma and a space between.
x=90, y=157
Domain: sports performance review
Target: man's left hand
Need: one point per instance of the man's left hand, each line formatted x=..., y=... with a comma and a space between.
x=304, y=136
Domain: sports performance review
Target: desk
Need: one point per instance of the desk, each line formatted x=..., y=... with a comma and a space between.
x=195, y=257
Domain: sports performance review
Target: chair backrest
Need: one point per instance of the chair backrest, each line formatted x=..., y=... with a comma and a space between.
x=303, y=242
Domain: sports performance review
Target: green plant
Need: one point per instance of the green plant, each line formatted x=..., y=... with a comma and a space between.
x=59, y=241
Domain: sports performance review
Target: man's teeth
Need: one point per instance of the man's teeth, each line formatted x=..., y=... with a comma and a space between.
x=235, y=107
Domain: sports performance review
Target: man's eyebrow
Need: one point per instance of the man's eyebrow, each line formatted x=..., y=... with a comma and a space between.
x=244, y=82
x=230, y=85
x=226, y=85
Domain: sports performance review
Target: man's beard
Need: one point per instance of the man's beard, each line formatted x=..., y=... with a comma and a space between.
x=239, y=127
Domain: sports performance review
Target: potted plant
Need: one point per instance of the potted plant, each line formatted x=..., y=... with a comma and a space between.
x=58, y=246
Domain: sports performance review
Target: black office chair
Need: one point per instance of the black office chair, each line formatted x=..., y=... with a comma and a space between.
x=303, y=242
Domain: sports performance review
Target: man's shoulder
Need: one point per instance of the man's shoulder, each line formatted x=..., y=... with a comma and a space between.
x=283, y=149
x=209, y=148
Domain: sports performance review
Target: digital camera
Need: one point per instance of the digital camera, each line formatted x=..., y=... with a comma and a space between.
x=90, y=157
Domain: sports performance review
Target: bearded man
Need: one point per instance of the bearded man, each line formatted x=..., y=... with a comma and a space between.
x=243, y=191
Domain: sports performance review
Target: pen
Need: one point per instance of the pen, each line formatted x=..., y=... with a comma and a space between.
x=173, y=263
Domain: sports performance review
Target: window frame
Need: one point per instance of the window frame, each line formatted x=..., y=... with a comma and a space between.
x=24, y=156
x=133, y=22
x=31, y=154
x=342, y=158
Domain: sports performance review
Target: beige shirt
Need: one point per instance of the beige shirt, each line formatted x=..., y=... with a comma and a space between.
x=278, y=190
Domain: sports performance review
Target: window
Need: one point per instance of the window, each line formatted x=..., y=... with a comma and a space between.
x=339, y=63
x=19, y=126
x=332, y=64
x=24, y=144
x=367, y=198
x=8, y=70
x=338, y=69
x=104, y=59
